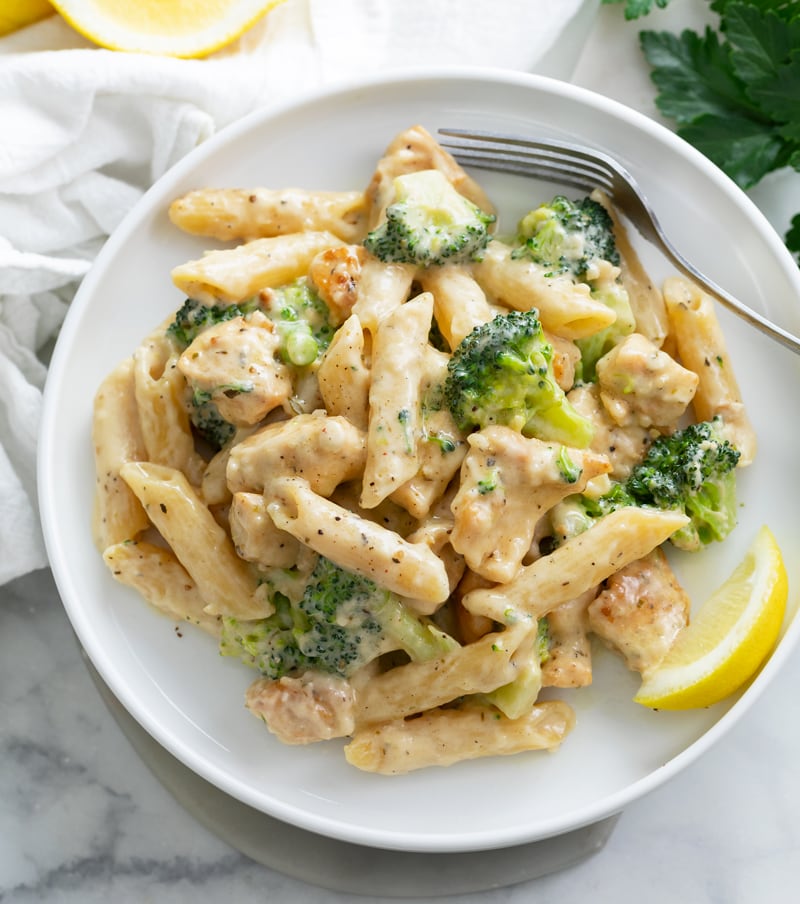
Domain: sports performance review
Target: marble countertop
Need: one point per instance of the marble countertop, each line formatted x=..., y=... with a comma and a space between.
x=83, y=820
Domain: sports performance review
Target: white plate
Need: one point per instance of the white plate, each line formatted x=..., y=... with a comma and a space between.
x=190, y=699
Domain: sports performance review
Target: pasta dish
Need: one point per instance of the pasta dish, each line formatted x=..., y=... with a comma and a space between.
x=405, y=460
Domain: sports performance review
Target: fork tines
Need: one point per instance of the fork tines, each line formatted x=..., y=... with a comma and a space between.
x=552, y=160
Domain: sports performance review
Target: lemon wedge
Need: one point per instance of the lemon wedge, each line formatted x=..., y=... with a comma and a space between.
x=181, y=28
x=15, y=14
x=728, y=639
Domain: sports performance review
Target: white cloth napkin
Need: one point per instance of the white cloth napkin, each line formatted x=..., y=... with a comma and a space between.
x=85, y=131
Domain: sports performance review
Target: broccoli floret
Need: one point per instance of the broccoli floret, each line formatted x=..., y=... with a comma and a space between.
x=205, y=416
x=268, y=645
x=193, y=317
x=566, y=236
x=691, y=470
x=302, y=319
x=429, y=224
x=341, y=622
x=208, y=422
x=502, y=373
x=694, y=470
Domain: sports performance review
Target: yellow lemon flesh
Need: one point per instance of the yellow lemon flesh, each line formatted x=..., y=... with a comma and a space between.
x=728, y=639
x=181, y=28
x=15, y=14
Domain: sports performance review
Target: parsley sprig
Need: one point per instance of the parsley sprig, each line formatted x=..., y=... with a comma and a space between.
x=734, y=93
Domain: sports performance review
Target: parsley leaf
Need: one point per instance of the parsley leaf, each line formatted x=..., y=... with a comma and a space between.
x=735, y=93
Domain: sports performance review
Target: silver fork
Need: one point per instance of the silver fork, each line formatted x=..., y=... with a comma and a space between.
x=586, y=169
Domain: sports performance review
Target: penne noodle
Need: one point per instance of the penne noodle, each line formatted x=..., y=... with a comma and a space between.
x=647, y=302
x=254, y=535
x=243, y=214
x=578, y=564
x=564, y=307
x=344, y=375
x=161, y=579
x=160, y=391
x=412, y=688
x=702, y=348
x=398, y=355
x=382, y=288
x=357, y=544
x=459, y=303
x=234, y=274
x=117, y=437
x=203, y=548
x=442, y=737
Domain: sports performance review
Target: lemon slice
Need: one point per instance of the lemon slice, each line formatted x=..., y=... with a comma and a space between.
x=728, y=639
x=181, y=28
x=16, y=14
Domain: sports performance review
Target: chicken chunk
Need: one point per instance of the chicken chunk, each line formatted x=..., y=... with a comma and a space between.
x=640, y=611
x=640, y=384
x=508, y=481
x=335, y=274
x=323, y=450
x=624, y=446
x=236, y=364
x=313, y=707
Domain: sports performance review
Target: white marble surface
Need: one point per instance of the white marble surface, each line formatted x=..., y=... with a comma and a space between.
x=82, y=820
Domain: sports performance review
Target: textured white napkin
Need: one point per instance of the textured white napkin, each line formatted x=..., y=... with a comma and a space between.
x=86, y=131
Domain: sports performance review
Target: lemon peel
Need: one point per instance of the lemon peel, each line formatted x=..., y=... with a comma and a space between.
x=16, y=14
x=728, y=639
x=180, y=28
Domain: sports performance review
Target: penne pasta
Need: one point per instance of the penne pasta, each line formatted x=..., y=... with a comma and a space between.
x=398, y=354
x=203, y=548
x=702, y=348
x=415, y=687
x=117, y=438
x=382, y=288
x=647, y=302
x=564, y=307
x=459, y=303
x=577, y=565
x=442, y=737
x=569, y=656
x=357, y=544
x=231, y=275
x=163, y=417
x=161, y=579
x=243, y=214
x=344, y=375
